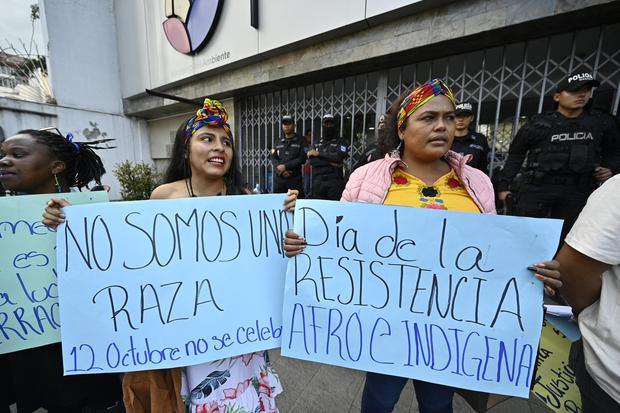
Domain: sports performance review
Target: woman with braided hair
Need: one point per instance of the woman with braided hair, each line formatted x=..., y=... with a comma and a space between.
x=42, y=162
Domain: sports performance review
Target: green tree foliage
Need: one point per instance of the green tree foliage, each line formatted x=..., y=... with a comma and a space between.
x=137, y=180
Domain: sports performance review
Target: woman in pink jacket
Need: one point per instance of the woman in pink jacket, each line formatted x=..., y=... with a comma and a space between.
x=419, y=170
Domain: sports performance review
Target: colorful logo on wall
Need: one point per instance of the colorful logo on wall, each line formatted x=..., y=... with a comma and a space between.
x=190, y=23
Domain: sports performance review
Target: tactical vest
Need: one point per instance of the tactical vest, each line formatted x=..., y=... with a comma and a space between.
x=563, y=146
x=332, y=146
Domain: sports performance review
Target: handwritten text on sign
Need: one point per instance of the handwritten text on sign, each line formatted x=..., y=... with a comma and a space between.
x=435, y=295
x=29, y=315
x=159, y=284
x=555, y=383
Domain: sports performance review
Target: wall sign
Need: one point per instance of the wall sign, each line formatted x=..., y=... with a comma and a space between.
x=190, y=23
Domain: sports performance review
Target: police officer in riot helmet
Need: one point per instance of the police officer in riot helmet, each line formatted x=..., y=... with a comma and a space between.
x=327, y=160
x=468, y=142
x=568, y=153
x=287, y=158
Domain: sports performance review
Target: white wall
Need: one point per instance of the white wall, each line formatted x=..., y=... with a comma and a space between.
x=149, y=61
x=132, y=46
x=162, y=133
x=16, y=115
x=376, y=7
x=235, y=39
x=284, y=22
x=85, y=76
x=131, y=138
x=83, y=58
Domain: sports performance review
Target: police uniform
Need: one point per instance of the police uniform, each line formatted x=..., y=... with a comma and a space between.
x=292, y=154
x=562, y=154
x=474, y=144
x=327, y=178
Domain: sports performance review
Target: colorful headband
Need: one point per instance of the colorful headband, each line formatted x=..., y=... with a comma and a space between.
x=212, y=113
x=420, y=96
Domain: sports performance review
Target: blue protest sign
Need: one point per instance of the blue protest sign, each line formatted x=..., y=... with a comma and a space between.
x=158, y=284
x=440, y=296
x=29, y=314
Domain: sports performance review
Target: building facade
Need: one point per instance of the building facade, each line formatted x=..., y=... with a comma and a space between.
x=350, y=58
x=80, y=91
x=354, y=58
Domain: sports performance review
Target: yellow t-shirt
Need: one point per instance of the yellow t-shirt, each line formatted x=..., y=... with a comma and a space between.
x=445, y=193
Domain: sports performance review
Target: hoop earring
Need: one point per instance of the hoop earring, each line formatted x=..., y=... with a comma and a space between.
x=57, y=184
x=396, y=151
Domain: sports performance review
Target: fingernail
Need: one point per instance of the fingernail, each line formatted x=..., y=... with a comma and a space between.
x=532, y=268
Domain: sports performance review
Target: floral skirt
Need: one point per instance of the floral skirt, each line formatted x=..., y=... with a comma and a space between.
x=243, y=384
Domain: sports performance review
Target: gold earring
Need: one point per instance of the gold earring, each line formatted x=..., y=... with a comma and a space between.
x=57, y=183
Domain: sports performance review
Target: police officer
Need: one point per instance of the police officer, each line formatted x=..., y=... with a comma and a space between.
x=468, y=142
x=287, y=158
x=569, y=152
x=327, y=159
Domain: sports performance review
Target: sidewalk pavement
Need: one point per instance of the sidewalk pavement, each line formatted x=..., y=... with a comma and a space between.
x=321, y=388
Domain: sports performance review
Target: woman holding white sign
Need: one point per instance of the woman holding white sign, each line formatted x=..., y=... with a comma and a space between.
x=42, y=162
x=419, y=170
x=204, y=163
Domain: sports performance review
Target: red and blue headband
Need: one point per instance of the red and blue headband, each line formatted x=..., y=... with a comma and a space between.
x=420, y=96
x=212, y=113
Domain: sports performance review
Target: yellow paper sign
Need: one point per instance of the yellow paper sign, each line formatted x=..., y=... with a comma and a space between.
x=555, y=382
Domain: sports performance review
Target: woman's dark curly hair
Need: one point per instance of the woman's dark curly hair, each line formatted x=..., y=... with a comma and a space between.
x=82, y=164
x=179, y=168
x=388, y=138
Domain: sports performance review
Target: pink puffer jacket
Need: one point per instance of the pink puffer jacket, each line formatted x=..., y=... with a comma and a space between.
x=371, y=182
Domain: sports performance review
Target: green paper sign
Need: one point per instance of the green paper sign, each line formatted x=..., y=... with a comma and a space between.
x=29, y=314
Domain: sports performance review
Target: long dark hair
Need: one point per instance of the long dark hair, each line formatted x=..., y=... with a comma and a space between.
x=82, y=164
x=179, y=168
